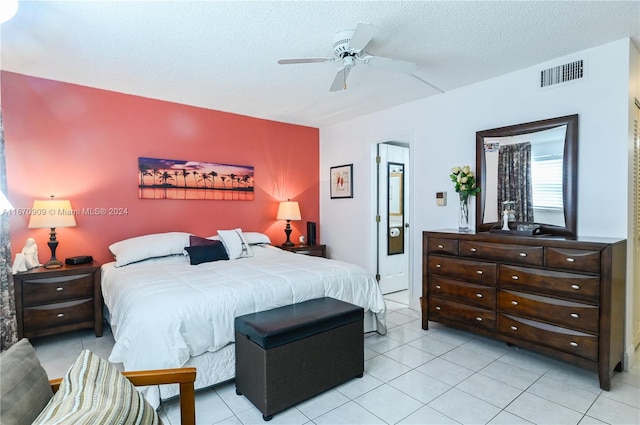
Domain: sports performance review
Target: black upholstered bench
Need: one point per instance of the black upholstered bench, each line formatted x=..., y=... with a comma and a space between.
x=289, y=354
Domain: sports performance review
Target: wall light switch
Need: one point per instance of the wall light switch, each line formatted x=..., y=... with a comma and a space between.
x=441, y=199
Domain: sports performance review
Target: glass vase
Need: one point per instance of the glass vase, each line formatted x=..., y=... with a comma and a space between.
x=463, y=214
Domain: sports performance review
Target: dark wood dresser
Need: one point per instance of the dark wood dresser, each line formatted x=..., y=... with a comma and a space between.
x=51, y=301
x=560, y=297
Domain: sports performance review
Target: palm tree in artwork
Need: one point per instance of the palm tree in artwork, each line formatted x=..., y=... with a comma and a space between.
x=144, y=171
x=176, y=173
x=223, y=178
x=185, y=173
x=164, y=177
x=213, y=175
x=156, y=172
x=205, y=177
x=245, y=179
x=239, y=179
x=232, y=178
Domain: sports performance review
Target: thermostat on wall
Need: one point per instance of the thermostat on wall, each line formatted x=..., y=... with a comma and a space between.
x=441, y=199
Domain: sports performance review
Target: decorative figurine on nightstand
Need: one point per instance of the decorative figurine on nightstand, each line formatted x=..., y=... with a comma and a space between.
x=30, y=252
x=19, y=264
x=302, y=239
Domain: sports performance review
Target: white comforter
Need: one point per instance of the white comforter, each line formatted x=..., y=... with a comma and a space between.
x=165, y=311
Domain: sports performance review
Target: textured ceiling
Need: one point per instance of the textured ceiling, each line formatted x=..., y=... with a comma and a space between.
x=223, y=54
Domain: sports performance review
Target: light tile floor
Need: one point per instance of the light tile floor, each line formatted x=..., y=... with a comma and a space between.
x=412, y=376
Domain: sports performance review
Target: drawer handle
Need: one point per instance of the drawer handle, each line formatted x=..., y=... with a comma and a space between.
x=514, y=302
x=514, y=328
x=438, y=308
x=514, y=277
x=571, y=260
x=59, y=288
x=573, y=344
x=438, y=287
x=575, y=315
x=473, y=250
x=438, y=266
x=479, y=272
x=60, y=315
x=478, y=319
x=576, y=287
x=479, y=295
x=523, y=254
x=440, y=246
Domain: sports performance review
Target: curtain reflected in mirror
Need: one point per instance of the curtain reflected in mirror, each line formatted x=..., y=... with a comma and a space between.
x=395, y=208
x=515, y=194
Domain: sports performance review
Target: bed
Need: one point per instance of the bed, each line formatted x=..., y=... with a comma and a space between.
x=166, y=312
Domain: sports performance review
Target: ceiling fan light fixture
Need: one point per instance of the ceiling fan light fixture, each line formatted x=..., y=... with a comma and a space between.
x=349, y=47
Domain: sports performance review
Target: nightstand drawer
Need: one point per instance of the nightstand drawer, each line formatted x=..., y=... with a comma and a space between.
x=55, y=289
x=54, y=315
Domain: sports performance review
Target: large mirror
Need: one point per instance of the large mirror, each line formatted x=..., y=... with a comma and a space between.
x=528, y=176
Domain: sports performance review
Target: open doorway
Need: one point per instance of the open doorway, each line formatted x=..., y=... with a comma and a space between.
x=392, y=219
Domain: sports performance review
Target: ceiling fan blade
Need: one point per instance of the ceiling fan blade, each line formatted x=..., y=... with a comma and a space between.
x=304, y=60
x=391, y=64
x=362, y=35
x=340, y=81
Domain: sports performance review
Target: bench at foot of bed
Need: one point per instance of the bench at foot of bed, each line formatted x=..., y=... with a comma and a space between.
x=292, y=353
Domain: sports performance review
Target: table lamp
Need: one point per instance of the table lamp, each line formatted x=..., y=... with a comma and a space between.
x=52, y=214
x=288, y=210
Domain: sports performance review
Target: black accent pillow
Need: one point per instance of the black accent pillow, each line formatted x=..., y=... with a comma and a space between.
x=199, y=241
x=207, y=253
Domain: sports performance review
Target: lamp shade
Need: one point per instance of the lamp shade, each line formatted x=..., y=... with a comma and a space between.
x=288, y=210
x=51, y=213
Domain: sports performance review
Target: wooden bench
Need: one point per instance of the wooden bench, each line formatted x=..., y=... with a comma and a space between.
x=289, y=354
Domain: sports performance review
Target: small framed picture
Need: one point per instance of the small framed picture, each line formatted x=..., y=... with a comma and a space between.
x=341, y=181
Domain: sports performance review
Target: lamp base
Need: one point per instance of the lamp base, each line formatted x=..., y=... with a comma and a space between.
x=53, y=264
x=287, y=231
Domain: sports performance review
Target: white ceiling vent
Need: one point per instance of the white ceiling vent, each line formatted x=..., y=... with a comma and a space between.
x=562, y=73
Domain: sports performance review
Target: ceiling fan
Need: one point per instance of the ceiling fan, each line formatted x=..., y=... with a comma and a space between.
x=348, y=47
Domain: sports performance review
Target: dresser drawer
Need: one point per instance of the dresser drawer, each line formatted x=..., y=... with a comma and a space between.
x=477, y=271
x=55, y=289
x=523, y=254
x=443, y=246
x=563, y=339
x=470, y=293
x=548, y=281
x=561, y=312
x=463, y=313
x=54, y=315
x=573, y=259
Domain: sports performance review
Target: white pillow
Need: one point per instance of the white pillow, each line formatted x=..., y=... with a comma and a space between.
x=255, y=238
x=149, y=246
x=235, y=243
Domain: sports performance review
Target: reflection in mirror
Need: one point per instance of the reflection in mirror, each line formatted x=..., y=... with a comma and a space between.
x=395, y=208
x=528, y=174
x=524, y=177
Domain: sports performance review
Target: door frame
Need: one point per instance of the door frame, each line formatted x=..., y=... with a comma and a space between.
x=405, y=138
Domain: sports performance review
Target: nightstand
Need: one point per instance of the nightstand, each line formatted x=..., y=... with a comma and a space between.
x=313, y=250
x=51, y=301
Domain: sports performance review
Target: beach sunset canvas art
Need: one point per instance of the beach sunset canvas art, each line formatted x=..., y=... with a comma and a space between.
x=177, y=179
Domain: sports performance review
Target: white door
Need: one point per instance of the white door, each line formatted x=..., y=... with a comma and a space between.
x=393, y=210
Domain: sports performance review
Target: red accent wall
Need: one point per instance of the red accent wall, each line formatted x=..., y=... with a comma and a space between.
x=83, y=144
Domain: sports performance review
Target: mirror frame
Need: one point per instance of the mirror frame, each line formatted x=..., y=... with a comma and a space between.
x=569, y=171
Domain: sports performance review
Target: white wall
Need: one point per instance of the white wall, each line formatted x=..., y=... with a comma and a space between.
x=441, y=130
